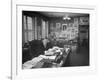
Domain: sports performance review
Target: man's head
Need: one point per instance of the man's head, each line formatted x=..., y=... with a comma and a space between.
x=45, y=41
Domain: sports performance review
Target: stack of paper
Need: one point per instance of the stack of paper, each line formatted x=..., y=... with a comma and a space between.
x=36, y=59
x=43, y=56
x=49, y=53
x=27, y=65
x=32, y=63
x=53, y=57
x=54, y=50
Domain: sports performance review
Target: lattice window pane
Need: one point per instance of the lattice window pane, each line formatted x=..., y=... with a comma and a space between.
x=25, y=22
x=29, y=23
x=25, y=35
x=30, y=36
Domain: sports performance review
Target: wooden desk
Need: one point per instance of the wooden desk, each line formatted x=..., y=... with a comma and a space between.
x=47, y=63
x=51, y=64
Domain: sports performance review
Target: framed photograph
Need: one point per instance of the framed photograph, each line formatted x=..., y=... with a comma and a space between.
x=31, y=55
x=58, y=26
x=64, y=26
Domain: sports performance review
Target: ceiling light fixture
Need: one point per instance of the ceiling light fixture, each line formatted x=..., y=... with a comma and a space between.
x=66, y=18
x=69, y=18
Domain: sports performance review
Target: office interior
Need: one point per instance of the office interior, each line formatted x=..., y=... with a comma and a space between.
x=62, y=30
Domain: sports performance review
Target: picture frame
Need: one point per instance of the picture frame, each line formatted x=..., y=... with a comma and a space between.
x=16, y=68
x=64, y=26
x=58, y=26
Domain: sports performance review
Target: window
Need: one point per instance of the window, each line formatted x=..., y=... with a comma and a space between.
x=28, y=28
x=34, y=28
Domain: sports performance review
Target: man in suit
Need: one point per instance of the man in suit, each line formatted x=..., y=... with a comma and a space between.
x=39, y=46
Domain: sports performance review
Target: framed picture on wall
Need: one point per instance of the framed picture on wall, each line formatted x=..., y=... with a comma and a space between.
x=45, y=63
x=64, y=26
x=58, y=26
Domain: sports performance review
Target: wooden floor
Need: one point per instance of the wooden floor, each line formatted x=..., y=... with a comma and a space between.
x=78, y=57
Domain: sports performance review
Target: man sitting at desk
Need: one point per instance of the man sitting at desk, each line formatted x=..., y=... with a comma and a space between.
x=38, y=47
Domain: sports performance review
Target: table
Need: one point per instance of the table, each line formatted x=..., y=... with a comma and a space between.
x=61, y=62
x=48, y=63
